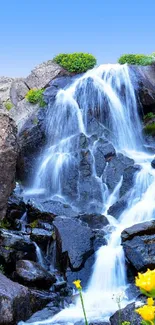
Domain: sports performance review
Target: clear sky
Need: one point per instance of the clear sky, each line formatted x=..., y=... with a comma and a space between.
x=32, y=31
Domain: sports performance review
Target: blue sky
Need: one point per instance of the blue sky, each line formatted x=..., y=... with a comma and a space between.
x=32, y=31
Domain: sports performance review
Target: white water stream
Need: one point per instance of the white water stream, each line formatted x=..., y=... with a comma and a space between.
x=114, y=86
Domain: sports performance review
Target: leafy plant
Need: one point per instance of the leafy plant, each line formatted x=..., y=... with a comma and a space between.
x=76, y=62
x=150, y=129
x=149, y=116
x=136, y=59
x=34, y=224
x=5, y=224
x=35, y=96
x=8, y=105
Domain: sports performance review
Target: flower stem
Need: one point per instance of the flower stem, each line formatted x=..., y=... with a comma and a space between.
x=83, y=307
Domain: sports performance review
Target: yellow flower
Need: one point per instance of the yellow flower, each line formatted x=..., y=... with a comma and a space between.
x=146, y=281
x=147, y=312
x=150, y=301
x=77, y=284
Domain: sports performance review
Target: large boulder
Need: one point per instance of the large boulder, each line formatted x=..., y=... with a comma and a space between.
x=126, y=314
x=8, y=157
x=18, y=90
x=139, y=244
x=14, y=301
x=34, y=275
x=74, y=247
x=41, y=75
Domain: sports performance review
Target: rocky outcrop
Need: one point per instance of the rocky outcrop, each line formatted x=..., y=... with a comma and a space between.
x=8, y=157
x=139, y=244
x=14, y=301
x=5, y=85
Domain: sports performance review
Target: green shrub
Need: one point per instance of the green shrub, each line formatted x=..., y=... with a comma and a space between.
x=149, y=116
x=35, y=96
x=150, y=129
x=76, y=62
x=8, y=105
x=2, y=269
x=136, y=59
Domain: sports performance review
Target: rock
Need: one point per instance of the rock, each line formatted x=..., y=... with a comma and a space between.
x=95, y=221
x=153, y=163
x=41, y=75
x=129, y=175
x=145, y=75
x=139, y=245
x=33, y=274
x=14, y=301
x=5, y=85
x=15, y=246
x=18, y=90
x=42, y=237
x=16, y=208
x=40, y=298
x=127, y=315
x=117, y=208
x=115, y=169
x=73, y=246
x=55, y=85
x=57, y=208
x=22, y=112
x=8, y=158
x=31, y=139
x=48, y=312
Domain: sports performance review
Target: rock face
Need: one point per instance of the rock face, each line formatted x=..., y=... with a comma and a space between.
x=139, y=244
x=14, y=301
x=33, y=274
x=8, y=157
x=5, y=85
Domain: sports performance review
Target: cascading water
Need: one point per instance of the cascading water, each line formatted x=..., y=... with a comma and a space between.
x=107, y=94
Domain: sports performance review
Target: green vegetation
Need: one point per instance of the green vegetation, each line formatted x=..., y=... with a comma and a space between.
x=5, y=224
x=2, y=269
x=149, y=116
x=8, y=105
x=34, y=224
x=35, y=96
x=137, y=59
x=76, y=62
x=150, y=129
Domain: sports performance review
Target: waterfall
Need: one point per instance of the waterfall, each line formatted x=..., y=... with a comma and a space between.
x=107, y=94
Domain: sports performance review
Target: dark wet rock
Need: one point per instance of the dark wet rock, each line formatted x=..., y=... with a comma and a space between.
x=145, y=86
x=129, y=175
x=33, y=214
x=58, y=208
x=48, y=312
x=16, y=208
x=74, y=242
x=31, y=139
x=33, y=274
x=40, y=298
x=59, y=285
x=139, y=245
x=127, y=315
x=114, y=170
x=8, y=158
x=117, y=208
x=55, y=85
x=84, y=274
x=153, y=163
x=13, y=247
x=95, y=221
x=140, y=229
x=14, y=301
x=42, y=236
x=90, y=198
x=85, y=166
